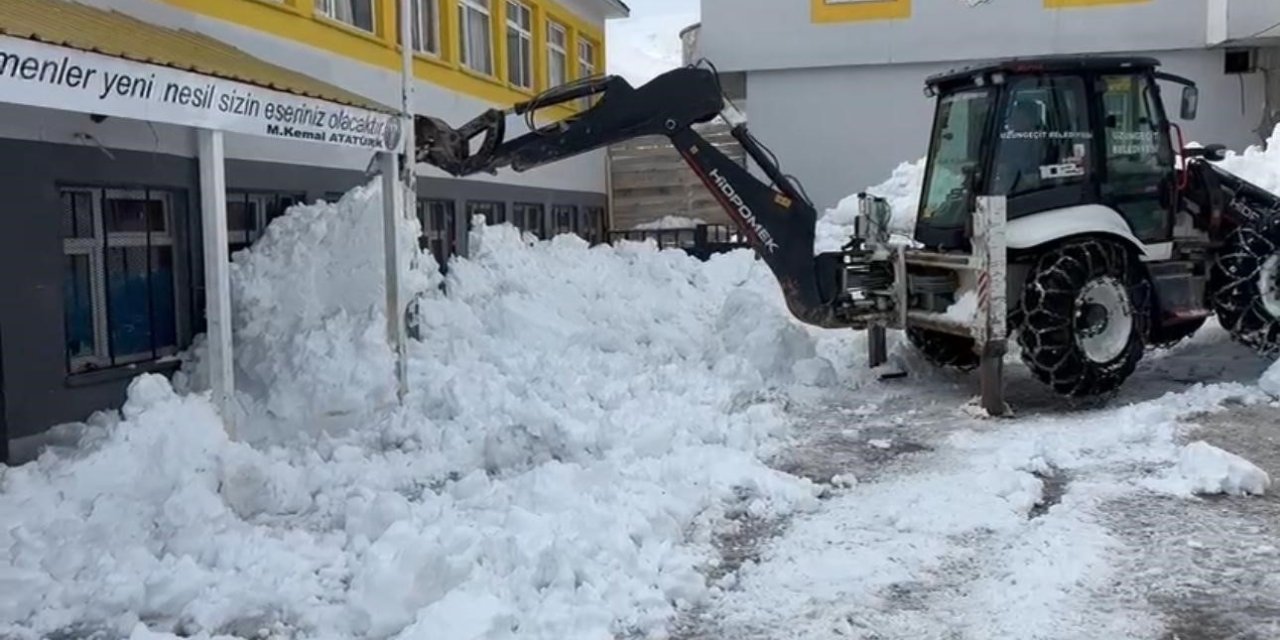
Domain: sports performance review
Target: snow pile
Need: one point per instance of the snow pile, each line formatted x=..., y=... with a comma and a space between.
x=670, y=222
x=648, y=43
x=965, y=309
x=307, y=305
x=579, y=418
x=1270, y=380
x=1257, y=164
x=902, y=191
x=1204, y=468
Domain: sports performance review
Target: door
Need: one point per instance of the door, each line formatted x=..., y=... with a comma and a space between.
x=1139, y=154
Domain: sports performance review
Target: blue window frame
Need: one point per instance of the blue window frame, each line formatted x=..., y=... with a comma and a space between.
x=120, y=276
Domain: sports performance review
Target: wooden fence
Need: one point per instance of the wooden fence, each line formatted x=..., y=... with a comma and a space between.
x=649, y=180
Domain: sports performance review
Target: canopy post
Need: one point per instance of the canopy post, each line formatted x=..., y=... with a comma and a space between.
x=213, y=216
x=393, y=203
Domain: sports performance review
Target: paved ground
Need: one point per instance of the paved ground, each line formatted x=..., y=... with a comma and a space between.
x=1182, y=568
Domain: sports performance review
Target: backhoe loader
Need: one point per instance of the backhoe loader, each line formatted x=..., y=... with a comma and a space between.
x=1056, y=191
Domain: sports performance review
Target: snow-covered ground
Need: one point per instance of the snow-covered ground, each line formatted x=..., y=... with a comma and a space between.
x=621, y=442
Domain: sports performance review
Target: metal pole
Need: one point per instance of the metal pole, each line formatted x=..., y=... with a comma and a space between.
x=406, y=97
x=392, y=208
x=213, y=219
x=409, y=182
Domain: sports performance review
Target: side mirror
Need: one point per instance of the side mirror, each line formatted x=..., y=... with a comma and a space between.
x=1190, y=102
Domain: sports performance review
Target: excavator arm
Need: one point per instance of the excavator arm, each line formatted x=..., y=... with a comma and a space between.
x=775, y=216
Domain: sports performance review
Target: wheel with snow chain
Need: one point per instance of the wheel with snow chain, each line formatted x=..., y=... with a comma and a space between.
x=1245, y=281
x=944, y=349
x=1085, y=313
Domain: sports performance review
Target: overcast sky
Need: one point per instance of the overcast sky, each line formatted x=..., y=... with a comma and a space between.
x=648, y=42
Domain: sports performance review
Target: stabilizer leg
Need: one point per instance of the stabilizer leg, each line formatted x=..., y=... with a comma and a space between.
x=991, y=330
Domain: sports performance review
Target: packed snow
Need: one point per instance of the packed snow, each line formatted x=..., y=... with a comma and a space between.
x=965, y=308
x=1259, y=164
x=579, y=419
x=670, y=222
x=1270, y=381
x=1206, y=469
x=902, y=193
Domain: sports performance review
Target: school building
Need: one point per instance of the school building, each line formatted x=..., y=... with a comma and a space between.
x=105, y=108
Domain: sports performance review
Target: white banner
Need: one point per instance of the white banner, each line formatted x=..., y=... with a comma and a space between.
x=42, y=75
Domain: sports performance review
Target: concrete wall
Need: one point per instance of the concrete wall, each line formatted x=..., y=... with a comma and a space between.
x=842, y=129
x=43, y=149
x=583, y=173
x=1242, y=20
x=767, y=34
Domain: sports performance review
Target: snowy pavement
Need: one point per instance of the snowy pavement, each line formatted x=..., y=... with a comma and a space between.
x=1059, y=524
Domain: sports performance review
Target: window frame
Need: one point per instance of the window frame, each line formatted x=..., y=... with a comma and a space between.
x=329, y=9
x=1076, y=135
x=522, y=33
x=553, y=49
x=466, y=9
x=585, y=67
x=264, y=201
x=95, y=248
x=530, y=217
x=417, y=30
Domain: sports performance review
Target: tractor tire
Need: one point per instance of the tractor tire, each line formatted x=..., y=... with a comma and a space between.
x=1086, y=307
x=944, y=349
x=1245, y=280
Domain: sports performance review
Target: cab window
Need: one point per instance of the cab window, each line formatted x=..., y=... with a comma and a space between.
x=1044, y=137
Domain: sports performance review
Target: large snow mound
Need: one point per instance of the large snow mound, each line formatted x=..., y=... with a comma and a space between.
x=902, y=192
x=578, y=418
x=308, y=310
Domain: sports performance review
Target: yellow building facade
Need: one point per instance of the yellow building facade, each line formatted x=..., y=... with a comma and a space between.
x=499, y=51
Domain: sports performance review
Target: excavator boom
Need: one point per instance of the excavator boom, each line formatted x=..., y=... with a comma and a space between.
x=775, y=216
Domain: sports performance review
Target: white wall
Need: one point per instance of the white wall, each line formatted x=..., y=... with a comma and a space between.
x=772, y=34
x=840, y=130
x=582, y=173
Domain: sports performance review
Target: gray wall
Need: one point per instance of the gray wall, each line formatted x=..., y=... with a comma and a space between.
x=37, y=391
x=843, y=129
x=769, y=34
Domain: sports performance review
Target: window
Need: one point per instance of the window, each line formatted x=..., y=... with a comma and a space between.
x=424, y=27
x=249, y=213
x=520, y=45
x=493, y=212
x=439, y=229
x=593, y=224
x=475, y=43
x=529, y=217
x=119, y=281
x=1046, y=138
x=586, y=65
x=557, y=54
x=564, y=219
x=1139, y=153
x=956, y=151
x=357, y=13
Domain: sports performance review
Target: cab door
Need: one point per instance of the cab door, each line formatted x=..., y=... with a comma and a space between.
x=1139, y=177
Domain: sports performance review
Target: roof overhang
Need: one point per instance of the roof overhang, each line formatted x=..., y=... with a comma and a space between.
x=616, y=9
x=60, y=54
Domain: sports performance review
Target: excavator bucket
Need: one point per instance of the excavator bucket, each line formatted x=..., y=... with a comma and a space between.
x=451, y=149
